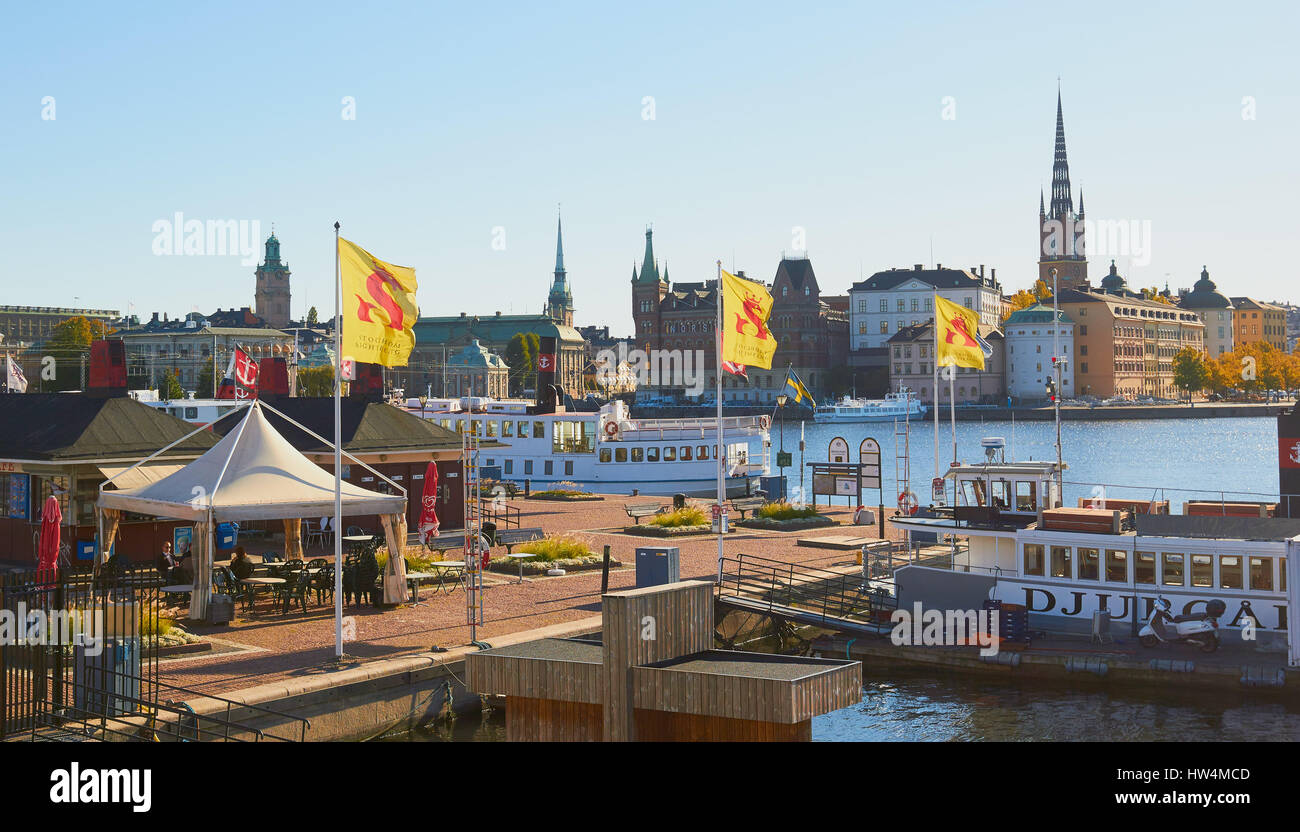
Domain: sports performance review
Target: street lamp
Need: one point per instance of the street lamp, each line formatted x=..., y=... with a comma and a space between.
x=780, y=454
x=423, y=401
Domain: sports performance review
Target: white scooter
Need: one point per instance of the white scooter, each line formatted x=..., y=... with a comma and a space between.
x=1200, y=628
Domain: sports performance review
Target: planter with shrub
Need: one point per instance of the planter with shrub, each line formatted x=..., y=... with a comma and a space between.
x=560, y=551
x=784, y=516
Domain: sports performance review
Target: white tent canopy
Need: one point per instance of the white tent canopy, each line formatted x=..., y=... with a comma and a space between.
x=251, y=474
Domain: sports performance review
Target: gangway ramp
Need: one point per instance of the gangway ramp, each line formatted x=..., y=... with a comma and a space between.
x=833, y=598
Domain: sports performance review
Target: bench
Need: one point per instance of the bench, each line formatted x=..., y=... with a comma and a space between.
x=745, y=504
x=638, y=510
x=510, y=538
x=446, y=542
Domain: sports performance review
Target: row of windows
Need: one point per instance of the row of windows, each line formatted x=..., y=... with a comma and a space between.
x=1155, y=569
x=548, y=467
x=669, y=453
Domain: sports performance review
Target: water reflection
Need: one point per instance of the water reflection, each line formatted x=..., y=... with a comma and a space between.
x=908, y=707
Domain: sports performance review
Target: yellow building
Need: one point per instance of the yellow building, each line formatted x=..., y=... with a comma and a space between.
x=1258, y=321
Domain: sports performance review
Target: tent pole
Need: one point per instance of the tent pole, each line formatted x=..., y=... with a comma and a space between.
x=338, y=456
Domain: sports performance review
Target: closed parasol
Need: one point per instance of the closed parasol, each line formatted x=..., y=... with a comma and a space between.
x=51, y=520
x=429, y=504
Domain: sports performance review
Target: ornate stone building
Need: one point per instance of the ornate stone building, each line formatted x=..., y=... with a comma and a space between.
x=559, y=303
x=271, y=295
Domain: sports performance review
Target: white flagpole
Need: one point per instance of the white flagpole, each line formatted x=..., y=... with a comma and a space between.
x=338, y=451
x=952, y=409
x=722, y=449
x=935, y=403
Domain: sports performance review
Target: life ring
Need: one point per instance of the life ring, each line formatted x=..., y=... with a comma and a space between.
x=765, y=421
x=907, y=502
x=611, y=428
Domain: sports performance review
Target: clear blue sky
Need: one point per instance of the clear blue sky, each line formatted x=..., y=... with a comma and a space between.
x=768, y=116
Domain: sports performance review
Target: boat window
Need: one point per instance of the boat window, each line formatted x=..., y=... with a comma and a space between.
x=1026, y=496
x=571, y=437
x=702, y=452
x=539, y=430
x=969, y=492
x=1230, y=576
x=1171, y=568
x=460, y=426
x=605, y=455
x=652, y=454
x=1033, y=559
x=1261, y=574
x=523, y=430
x=1087, y=564
x=191, y=413
x=492, y=428
x=670, y=454
x=686, y=453
x=476, y=427
x=446, y=423
x=528, y=467
x=568, y=467
x=1281, y=574
x=1117, y=566
x=1061, y=562
x=548, y=467
x=1202, y=570
x=1144, y=569
x=507, y=429
x=510, y=467
x=1001, y=492
x=620, y=454
x=638, y=454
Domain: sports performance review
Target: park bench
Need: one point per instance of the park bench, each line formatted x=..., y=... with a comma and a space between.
x=744, y=504
x=638, y=510
x=446, y=542
x=510, y=538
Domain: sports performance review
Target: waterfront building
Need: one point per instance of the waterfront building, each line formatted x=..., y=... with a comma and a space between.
x=1030, y=338
x=437, y=339
x=477, y=371
x=1125, y=344
x=25, y=324
x=812, y=337
x=271, y=294
x=1255, y=320
x=911, y=366
x=1215, y=310
x=890, y=301
x=1060, y=229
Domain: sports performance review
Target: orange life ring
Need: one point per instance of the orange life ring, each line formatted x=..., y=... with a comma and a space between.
x=907, y=502
x=611, y=428
x=766, y=422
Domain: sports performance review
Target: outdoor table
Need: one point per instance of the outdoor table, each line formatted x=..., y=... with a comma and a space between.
x=448, y=564
x=177, y=589
x=358, y=538
x=251, y=585
x=521, y=557
x=417, y=577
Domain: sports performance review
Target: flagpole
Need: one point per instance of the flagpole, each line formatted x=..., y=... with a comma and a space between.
x=935, y=403
x=338, y=452
x=952, y=409
x=721, y=455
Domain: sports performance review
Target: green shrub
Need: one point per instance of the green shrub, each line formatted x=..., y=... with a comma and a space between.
x=688, y=516
x=785, y=511
x=559, y=547
x=155, y=626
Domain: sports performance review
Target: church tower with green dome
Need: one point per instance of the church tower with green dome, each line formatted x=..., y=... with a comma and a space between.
x=271, y=292
x=559, y=303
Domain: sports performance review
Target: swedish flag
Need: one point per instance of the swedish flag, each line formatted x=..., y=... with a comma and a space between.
x=795, y=389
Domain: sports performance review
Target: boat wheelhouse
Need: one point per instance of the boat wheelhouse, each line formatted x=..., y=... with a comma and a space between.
x=607, y=451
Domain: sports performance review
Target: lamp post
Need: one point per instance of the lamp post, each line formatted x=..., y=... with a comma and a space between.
x=1057, y=361
x=424, y=400
x=780, y=454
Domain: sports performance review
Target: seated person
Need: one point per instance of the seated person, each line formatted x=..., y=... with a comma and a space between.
x=166, y=561
x=241, y=566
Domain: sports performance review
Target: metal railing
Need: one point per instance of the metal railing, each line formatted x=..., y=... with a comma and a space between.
x=811, y=591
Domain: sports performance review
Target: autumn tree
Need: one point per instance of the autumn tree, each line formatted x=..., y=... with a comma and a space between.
x=521, y=357
x=69, y=345
x=312, y=318
x=169, y=387
x=316, y=381
x=1191, y=370
x=1026, y=298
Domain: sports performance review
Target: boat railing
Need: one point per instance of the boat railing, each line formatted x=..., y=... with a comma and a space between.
x=692, y=428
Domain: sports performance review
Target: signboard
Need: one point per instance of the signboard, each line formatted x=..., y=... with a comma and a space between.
x=784, y=459
x=18, y=496
x=869, y=460
x=182, y=540
x=839, y=450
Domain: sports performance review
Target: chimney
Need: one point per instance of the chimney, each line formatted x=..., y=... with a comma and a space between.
x=918, y=267
x=155, y=318
x=993, y=275
x=462, y=314
x=981, y=270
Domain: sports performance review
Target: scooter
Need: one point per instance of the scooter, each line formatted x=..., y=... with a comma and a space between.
x=1199, y=628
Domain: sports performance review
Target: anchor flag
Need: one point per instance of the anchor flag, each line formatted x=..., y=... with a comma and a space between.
x=957, y=342
x=379, y=308
x=240, y=381
x=14, y=378
x=746, y=306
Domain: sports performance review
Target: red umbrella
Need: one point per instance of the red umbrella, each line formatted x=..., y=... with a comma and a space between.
x=51, y=520
x=429, y=506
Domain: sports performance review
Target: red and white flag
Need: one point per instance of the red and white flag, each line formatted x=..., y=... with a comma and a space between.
x=240, y=381
x=735, y=369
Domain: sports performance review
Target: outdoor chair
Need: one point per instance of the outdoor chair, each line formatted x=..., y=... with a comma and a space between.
x=271, y=557
x=298, y=587
x=317, y=532
x=317, y=563
x=323, y=583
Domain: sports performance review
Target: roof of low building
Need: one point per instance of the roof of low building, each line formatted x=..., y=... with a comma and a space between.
x=1036, y=314
x=940, y=278
x=366, y=426
x=75, y=426
x=475, y=355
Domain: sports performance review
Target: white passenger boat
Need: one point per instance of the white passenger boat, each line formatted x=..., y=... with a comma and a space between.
x=607, y=451
x=992, y=541
x=901, y=405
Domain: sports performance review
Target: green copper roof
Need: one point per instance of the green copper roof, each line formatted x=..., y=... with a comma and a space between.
x=649, y=270
x=475, y=355
x=1036, y=314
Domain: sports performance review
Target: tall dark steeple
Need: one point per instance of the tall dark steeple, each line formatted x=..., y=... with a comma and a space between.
x=1060, y=229
x=559, y=303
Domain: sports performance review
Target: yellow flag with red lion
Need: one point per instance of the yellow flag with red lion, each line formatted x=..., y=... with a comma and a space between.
x=957, y=340
x=379, y=309
x=746, y=339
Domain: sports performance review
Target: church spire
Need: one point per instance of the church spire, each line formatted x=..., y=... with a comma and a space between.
x=649, y=269
x=1062, y=204
x=559, y=247
x=559, y=303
